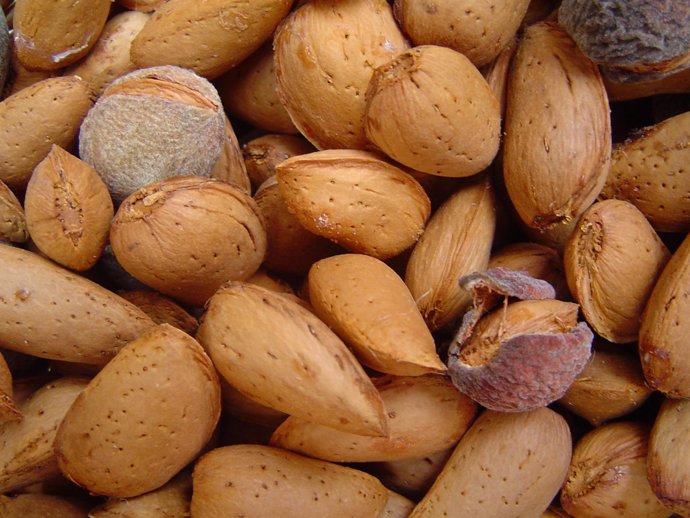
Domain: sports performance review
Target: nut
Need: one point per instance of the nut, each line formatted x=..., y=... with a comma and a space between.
x=263, y=154
x=12, y=220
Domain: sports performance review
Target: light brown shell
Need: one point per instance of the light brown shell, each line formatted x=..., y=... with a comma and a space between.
x=369, y=306
x=207, y=37
x=651, y=172
x=557, y=132
x=50, y=34
x=146, y=6
x=68, y=210
x=12, y=218
x=457, y=241
x=185, y=236
x=677, y=83
x=430, y=109
x=8, y=408
x=161, y=309
x=355, y=199
x=263, y=154
x=267, y=482
x=411, y=477
x=45, y=506
x=612, y=261
x=112, y=443
x=32, y=120
x=397, y=506
x=230, y=166
x=325, y=54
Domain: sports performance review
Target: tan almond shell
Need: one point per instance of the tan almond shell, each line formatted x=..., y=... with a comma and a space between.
x=325, y=54
x=607, y=477
x=147, y=6
x=457, y=241
x=37, y=504
x=475, y=28
x=27, y=455
x=663, y=341
x=271, y=282
x=611, y=385
x=109, y=58
x=50, y=312
x=355, y=199
x=538, y=261
x=612, y=261
x=265, y=482
x=112, y=443
x=12, y=217
x=668, y=456
x=68, y=210
x=8, y=408
x=230, y=166
x=248, y=92
x=207, y=37
x=651, y=172
x=292, y=249
x=505, y=465
x=397, y=506
x=430, y=109
x=187, y=235
x=554, y=512
x=369, y=306
x=411, y=477
x=32, y=120
x=20, y=77
x=169, y=501
x=279, y=354
x=263, y=154
x=497, y=72
x=161, y=309
x=426, y=415
x=557, y=131
x=678, y=83
x=247, y=410
x=50, y=34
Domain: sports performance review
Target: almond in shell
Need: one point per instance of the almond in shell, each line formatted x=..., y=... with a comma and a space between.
x=8, y=408
x=12, y=218
x=264, y=153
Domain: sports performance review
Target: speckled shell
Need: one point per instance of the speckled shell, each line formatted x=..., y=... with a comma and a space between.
x=12, y=218
x=263, y=154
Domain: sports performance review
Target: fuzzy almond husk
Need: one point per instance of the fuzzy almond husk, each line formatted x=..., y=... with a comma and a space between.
x=457, y=241
x=50, y=312
x=668, y=456
x=161, y=309
x=281, y=355
x=612, y=261
x=50, y=34
x=212, y=40
x=263, y=154
x=37, y=504
x=505, y=465
x=109, y=58
x=650, y=171
x=663, y=343
x=426, y=415
x=32, y=120
x=325, y=55
x=12, y=217
x=132, y=450
x=611, y=385
x=68, y=210
x=430, y=109
x=369, y=306
x=477, y=29
x=27, y=453
x=265, y=482
x=607, y=477
x=185, y=236
x=557, y=132
x=355, y=199
x=8, y=408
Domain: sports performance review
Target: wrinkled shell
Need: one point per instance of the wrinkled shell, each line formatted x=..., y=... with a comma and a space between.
x=665, y=328
x=52, y=34
x=456, y=241
x=431, y=109
x=558, y=132
x=207, y=37
x=161, y=309
x=152, y=124
x=608, y=475
x=68, y=210
x=185, y=236
x=32, y=120
x=26, y=447
x=112, y=443
x=612, y=262
x=109, y=58
x=369, y=306
x=278, y=353
x=426, y=415
x=263, y=154
x=325, y=54
x=355, y=199
x=12, y=219
x=651, y=172
x=45, y=506
x=505, y=465
x=265, y=482
x=50, y=312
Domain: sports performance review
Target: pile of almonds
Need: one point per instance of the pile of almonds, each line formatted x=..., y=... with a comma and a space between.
x=345, y=258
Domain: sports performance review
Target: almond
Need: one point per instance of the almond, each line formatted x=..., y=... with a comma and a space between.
x=161, y=309
x=263, y=154
x=412, y=477
x=397, y=506
x=30, y=504
x=230, y=166
x=8, y=409
x=12, y=218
